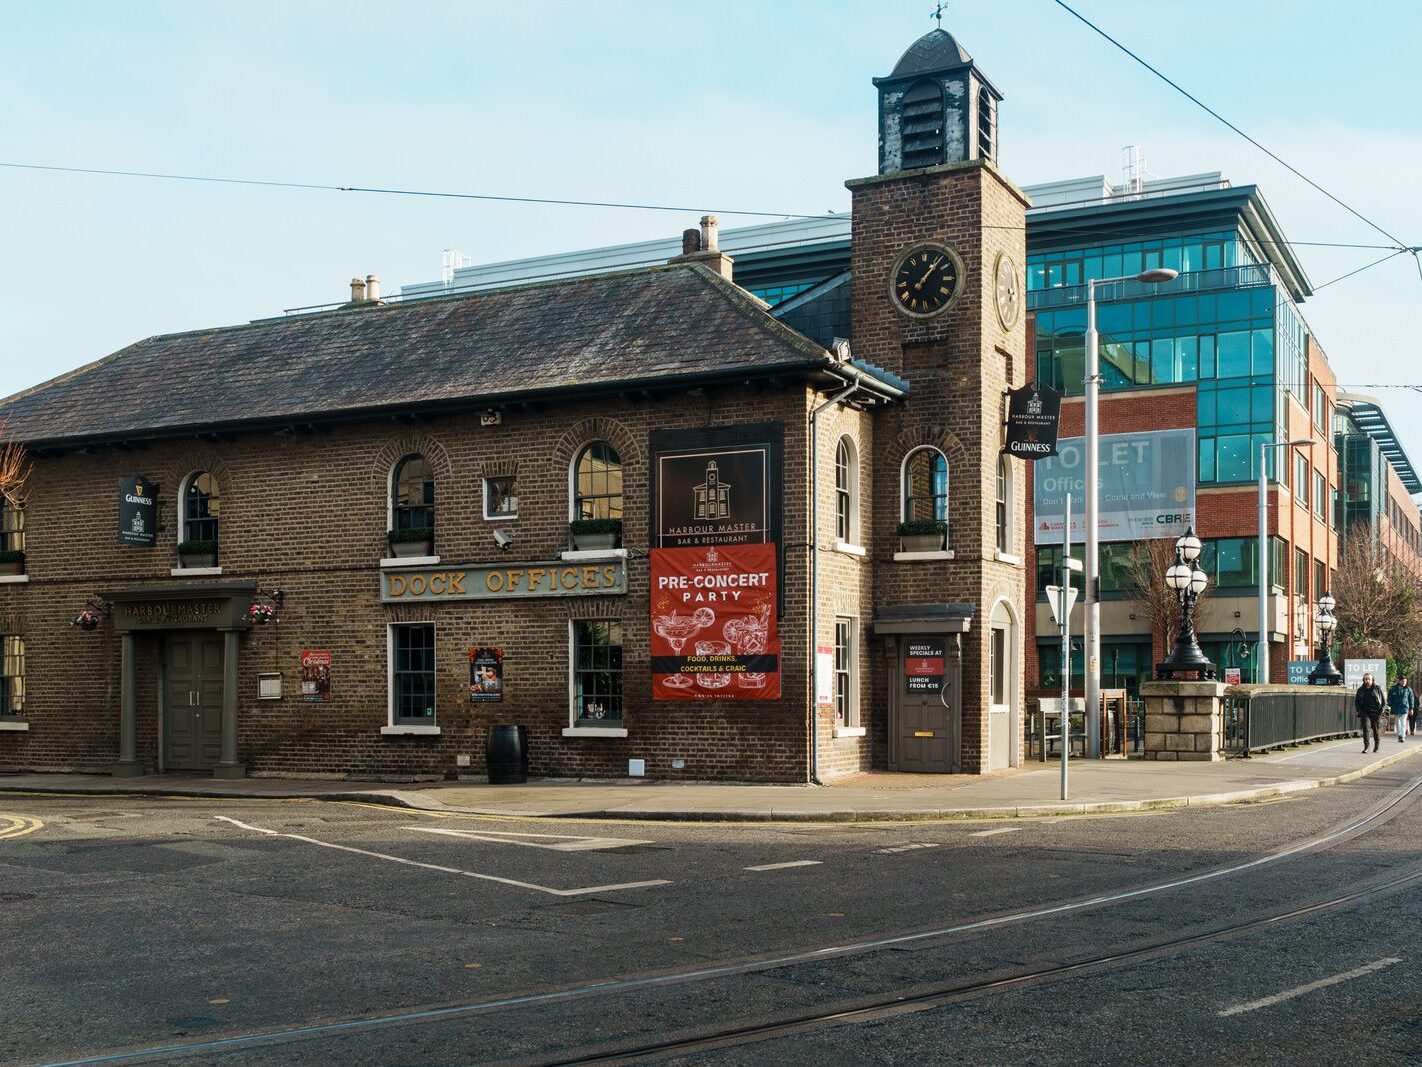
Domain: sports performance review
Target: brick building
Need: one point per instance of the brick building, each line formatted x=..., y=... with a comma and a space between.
x=345, y=543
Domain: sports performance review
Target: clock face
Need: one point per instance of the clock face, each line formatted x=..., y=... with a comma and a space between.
x=926, y=281
x=1009, y=291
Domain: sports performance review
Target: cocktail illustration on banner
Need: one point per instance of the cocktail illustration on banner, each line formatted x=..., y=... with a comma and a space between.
x=677, y=630
x=749, y=636
x=713, y=648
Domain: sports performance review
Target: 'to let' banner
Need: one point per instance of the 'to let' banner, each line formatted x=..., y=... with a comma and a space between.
x=713, y=623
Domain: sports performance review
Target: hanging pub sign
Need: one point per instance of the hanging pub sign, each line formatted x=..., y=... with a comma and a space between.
x=486, y=674
x=1033, y=413
x=138, y=512
x=713, y=623
x=316, y=675
x=923, y=664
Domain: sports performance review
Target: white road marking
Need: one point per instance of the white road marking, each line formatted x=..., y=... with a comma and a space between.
x=583, y=891
x=1315, y=751
x=1298, y=991
x=782, y=866
x=998, y=830
x=908, y=848
x=563, y=842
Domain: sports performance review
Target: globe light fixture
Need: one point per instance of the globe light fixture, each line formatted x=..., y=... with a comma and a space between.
x=1188, y=580
x=1324, y=672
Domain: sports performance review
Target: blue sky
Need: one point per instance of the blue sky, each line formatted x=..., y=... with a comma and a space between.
x=735, y=105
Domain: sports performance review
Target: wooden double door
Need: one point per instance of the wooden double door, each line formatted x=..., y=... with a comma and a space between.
x=192, y=723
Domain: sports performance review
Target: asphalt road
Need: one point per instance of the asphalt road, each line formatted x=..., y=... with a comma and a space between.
x=272, y=932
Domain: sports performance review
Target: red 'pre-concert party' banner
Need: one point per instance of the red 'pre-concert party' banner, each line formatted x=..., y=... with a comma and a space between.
x=713, y=623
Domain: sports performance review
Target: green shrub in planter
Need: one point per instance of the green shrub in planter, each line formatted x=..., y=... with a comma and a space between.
x=923, y=528
x=12, y=555
x=595, y=526
x=595, y=535
x=197, y=548
x=405, y=537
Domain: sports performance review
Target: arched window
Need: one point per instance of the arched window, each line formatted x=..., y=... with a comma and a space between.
x=597, y=482
x=925, y=486
x=201, y=508
x=846, y=491
x=921, y=125
x=1004, y=510
x=412, y=495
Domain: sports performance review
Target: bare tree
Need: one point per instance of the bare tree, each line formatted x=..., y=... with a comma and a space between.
x=1144, y=572
x=14, y=469
x=1379, y=607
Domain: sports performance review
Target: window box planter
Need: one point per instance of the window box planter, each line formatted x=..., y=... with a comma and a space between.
x=197, y=553
x=594, y=535
x=922, y=535
x=407, y=543
x=12, y=561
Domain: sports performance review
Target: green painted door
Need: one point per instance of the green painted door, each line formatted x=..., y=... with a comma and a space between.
x=193, y=723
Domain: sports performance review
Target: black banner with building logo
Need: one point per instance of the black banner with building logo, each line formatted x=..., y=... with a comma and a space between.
x=138, y=512
x=719, y=485
x=1033, y=415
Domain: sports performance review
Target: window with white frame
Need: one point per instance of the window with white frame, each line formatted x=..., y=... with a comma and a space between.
x=412, y=495
x=501, y=497
x=12, y=677
x=1320, y=494
x=597, y=482
x=846, y=704
x=201, y=506
x=1004, y=510
x=846, y=491
x=412, y=674
x=1301, y=478
x=925, y=486
x=597, y=672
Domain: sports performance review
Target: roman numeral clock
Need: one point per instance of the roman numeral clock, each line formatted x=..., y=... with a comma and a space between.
x=926, y=280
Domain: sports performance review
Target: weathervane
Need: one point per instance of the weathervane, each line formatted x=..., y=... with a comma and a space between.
x=938, y=13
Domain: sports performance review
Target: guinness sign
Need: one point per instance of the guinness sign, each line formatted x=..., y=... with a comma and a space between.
x=138, y=512
x=1033, y=413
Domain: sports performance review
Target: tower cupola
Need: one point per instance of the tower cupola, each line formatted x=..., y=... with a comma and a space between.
x=936, y=107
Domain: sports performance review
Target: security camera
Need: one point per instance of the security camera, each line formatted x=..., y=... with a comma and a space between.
x=503, y=539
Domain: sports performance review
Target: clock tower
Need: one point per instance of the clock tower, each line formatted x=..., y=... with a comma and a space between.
x=939, y=245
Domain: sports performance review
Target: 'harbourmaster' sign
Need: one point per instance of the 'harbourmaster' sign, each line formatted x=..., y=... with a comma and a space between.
x=553, y=578
x=138, y=511
x=1033, y=413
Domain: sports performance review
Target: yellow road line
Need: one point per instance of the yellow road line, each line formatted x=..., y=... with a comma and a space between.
x=17, y=826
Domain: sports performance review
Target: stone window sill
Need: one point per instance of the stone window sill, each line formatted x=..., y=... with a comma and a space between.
x=851, y=731
x=14, y=724
x=14, y=579
x=410, y=561
x=195, y=572
x=848, y=549
x=594, y=553
x=911, y=557
x=1009, y=557
x=594, y=731
x=398, y=731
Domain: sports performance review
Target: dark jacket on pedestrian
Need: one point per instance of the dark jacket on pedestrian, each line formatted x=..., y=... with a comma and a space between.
x=1401, y=700
x=1369, y=700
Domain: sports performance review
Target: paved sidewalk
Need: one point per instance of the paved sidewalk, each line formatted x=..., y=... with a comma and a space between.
x=1097, y=786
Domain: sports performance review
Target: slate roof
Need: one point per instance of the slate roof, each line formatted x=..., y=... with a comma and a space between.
x=935, y=51
x=642, y=327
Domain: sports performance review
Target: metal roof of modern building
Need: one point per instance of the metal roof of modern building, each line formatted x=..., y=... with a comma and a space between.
x=1367, y=413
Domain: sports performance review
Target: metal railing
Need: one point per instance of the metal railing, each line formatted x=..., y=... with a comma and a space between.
x=1258, y=722
x=1243, y=276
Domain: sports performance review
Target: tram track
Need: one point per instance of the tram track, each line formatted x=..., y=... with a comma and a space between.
x=885, y=1005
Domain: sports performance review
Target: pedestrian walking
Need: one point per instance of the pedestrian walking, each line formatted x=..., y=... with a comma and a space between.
x=1402, y=702
x=1369, y=701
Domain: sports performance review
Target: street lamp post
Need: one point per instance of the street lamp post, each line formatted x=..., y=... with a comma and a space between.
x=1261, y=648
x=1091, y=594
x=1188, y=580
x=1325, y=673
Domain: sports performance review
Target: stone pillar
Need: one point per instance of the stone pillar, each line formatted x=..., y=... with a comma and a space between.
x=128, y=765
x=1184, y=720
x=227, y=765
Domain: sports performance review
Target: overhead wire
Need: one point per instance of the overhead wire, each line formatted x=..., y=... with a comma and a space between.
x=1397, y=241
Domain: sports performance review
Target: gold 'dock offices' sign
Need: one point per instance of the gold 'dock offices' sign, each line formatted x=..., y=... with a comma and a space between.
x=552, y=578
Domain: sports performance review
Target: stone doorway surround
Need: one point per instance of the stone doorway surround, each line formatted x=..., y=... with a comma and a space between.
x=220, y=607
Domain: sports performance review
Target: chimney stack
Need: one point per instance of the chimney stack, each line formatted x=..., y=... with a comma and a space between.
x=704, y=246
x=357, y=291
x=372, y=289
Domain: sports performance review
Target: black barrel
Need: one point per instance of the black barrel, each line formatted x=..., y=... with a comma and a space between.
x=507, y=755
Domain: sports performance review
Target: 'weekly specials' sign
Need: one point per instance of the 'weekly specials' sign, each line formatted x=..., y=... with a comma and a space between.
x=554, y=578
